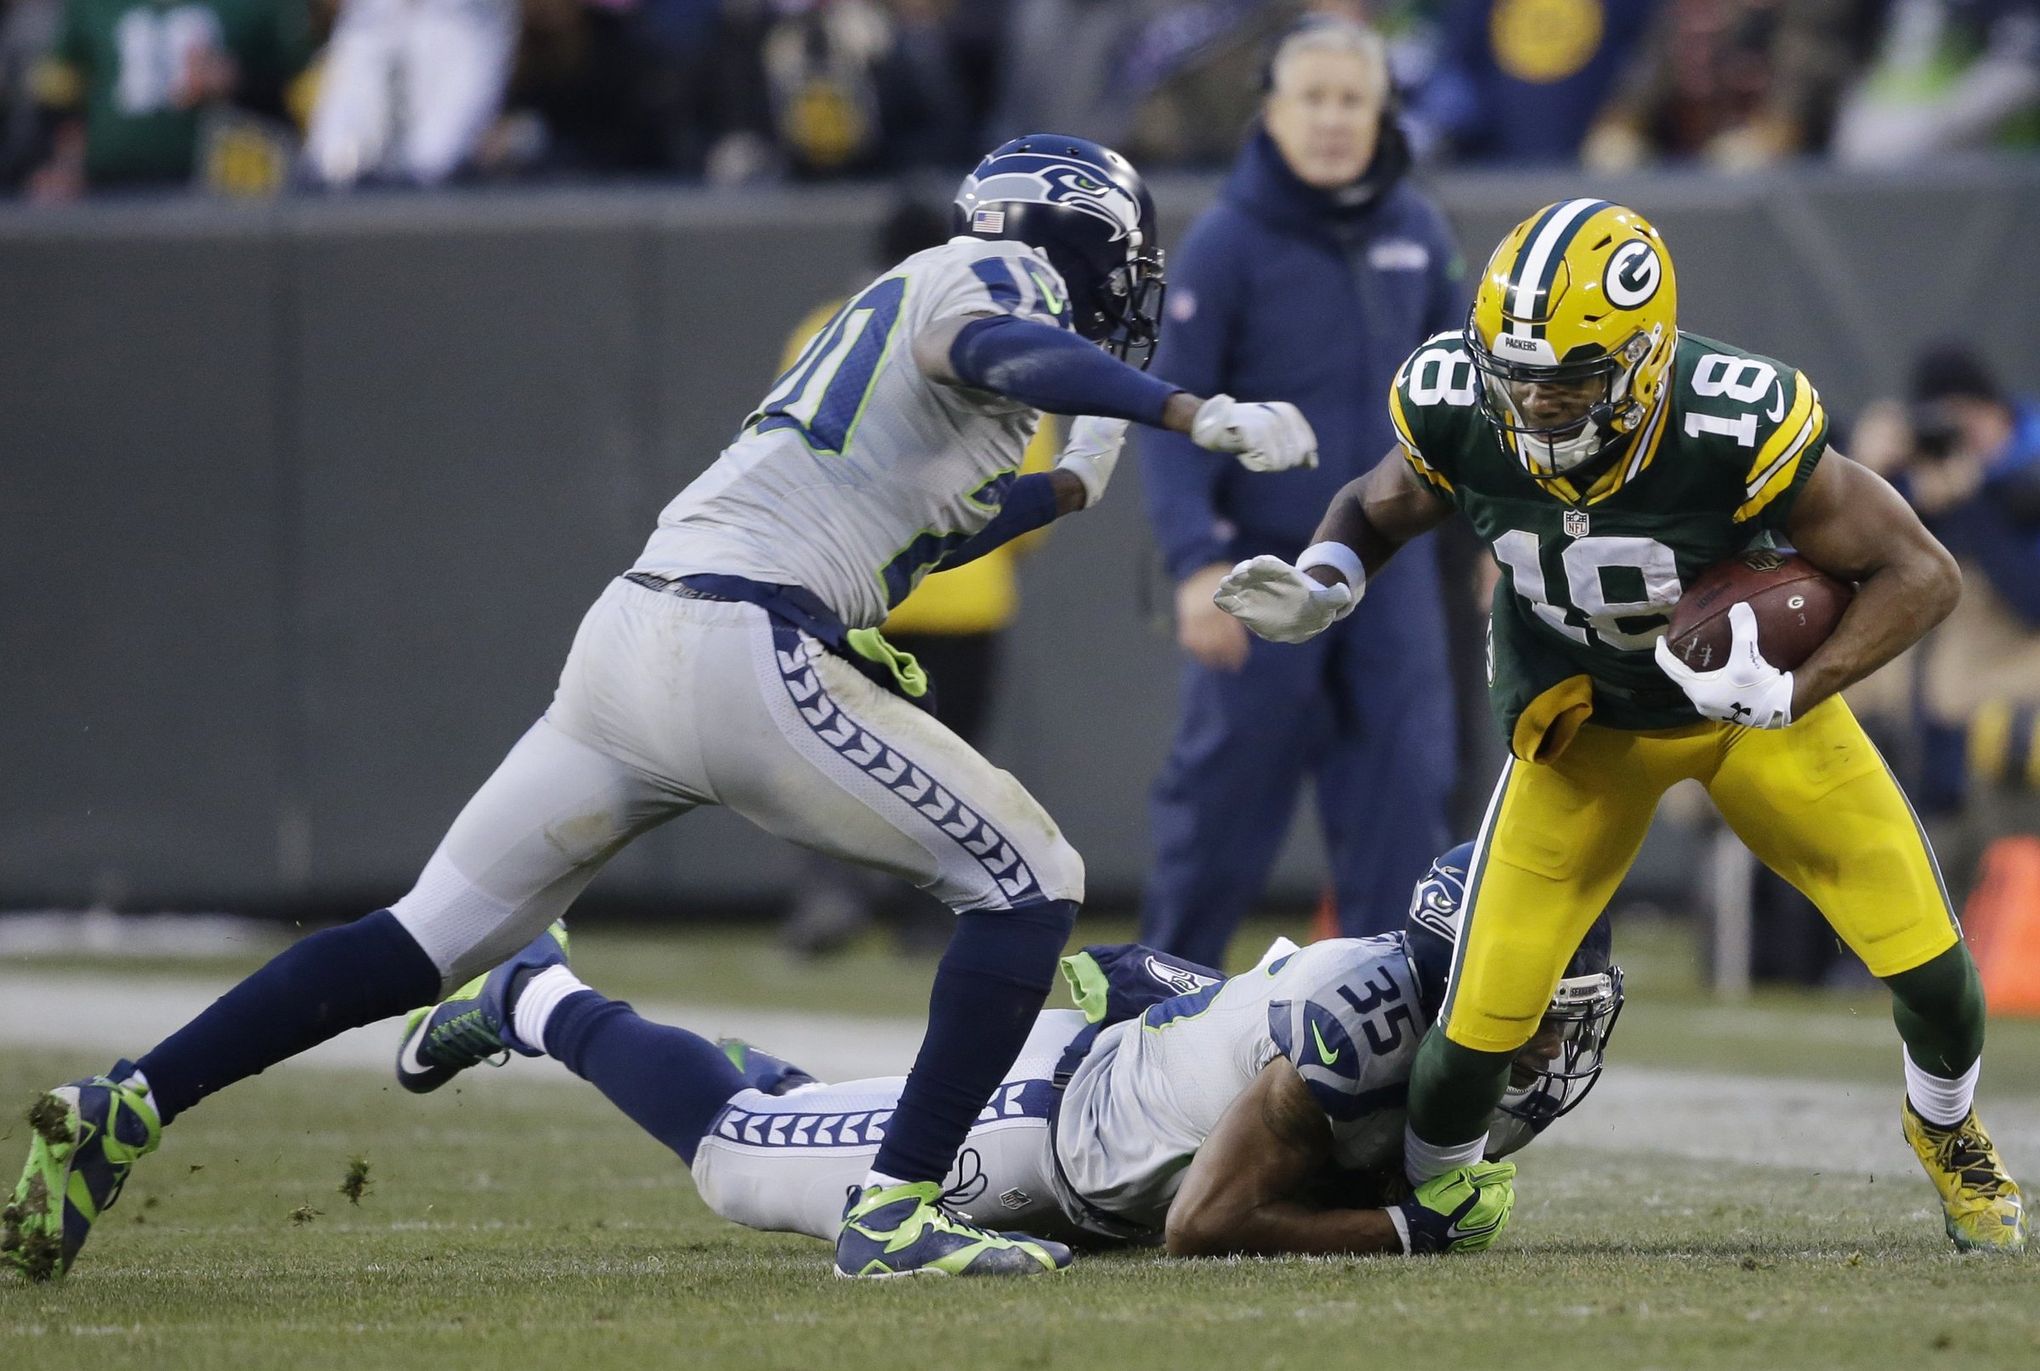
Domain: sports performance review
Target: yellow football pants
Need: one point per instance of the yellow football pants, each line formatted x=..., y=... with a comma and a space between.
x=1814, y=802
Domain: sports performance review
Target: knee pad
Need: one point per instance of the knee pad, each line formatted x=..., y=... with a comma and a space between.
x=462, y=928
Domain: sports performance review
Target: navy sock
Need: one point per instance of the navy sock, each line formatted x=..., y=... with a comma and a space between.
x=319, y=988
x=988, y=990
x=671, y=1083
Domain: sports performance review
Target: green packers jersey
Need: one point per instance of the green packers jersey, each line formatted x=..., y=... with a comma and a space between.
x=127, y=62
x=1589, y=577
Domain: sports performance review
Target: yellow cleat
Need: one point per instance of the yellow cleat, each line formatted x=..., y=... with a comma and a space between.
x=1979, y=1199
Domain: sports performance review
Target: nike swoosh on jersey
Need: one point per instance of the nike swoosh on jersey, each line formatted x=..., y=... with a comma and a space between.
x=1325, y=1056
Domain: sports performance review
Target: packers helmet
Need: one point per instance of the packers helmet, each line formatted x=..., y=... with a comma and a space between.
x=1581, y=292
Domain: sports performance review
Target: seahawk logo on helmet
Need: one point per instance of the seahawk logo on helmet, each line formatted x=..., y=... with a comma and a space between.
x=1056, y=183
x=1585, y=1005
x=1089, y=212
x=1579, y=294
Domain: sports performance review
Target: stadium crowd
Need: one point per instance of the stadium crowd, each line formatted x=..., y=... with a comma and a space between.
x=254, y=96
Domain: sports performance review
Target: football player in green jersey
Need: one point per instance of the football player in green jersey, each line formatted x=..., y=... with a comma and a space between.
x=1606, y=458
x=132, y=80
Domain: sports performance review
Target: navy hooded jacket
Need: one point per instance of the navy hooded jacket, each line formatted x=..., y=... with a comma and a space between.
x=1284, y=292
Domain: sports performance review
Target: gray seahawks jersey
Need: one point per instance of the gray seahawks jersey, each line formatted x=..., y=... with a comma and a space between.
x=1344, y=1012
x=858, y=474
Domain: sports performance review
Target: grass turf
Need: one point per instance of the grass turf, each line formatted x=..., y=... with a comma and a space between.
x=505, y=1224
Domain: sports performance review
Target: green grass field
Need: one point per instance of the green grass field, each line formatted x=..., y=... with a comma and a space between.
x=517, y=1223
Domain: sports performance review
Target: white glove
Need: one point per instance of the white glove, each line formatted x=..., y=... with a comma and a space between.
x=1091, y=452
x=1279, y=602
x=1266, y=437
x=1745, y=689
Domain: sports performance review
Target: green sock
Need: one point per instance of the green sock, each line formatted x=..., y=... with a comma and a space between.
x=1939, y=1011
x=1454, y=1089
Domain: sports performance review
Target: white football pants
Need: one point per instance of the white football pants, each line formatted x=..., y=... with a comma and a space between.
x=784, y=1163
x=409, y=87
x=667, y=703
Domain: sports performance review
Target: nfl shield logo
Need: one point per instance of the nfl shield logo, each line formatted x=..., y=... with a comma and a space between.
x=1576, y=523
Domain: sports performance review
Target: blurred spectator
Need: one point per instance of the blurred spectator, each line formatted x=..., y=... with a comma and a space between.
x=1316, y=274
x=1194, y=76
x=1061, y=66
x=131, y=82
x=1737, y=83
x=649, y=86
x=1967, y=455
x=1951, y=75
x=954, y=623
x=1520, y=81
x=28, y=30
x=409, y=88
x=856, y=87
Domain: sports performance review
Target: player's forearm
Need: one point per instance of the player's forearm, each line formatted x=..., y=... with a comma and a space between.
x=1850, y=523
x=1894, y=608
x=1056, y=371
x=1282, y=1228
x=1346, y=522
x=1376, y=514
x=1035, y=501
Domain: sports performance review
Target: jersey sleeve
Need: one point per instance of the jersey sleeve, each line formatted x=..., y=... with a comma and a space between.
x=1437, y=374
x=1347, y=1022
x=1792, y=436
x=981, y=278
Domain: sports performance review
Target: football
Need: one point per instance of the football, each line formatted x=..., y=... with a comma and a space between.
x=1796, y=603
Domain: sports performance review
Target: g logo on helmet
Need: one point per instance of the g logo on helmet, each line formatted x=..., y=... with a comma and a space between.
x=1633, y=274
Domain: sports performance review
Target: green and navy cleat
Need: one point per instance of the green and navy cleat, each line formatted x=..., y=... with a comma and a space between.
x=761, y=1070
x=904, y=1230
x=472, y=1025
x=86, y=1137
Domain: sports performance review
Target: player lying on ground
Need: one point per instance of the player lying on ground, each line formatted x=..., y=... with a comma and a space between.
x=1258, y=1114
x=738, y=663
x=1607, y=459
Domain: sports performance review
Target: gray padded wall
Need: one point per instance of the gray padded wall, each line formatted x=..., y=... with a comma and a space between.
x=301, y=505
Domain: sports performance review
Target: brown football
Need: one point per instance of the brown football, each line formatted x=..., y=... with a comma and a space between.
x=1796, y=603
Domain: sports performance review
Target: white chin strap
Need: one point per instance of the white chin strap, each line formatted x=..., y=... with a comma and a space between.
x=1547, y=458
x=1541, y=457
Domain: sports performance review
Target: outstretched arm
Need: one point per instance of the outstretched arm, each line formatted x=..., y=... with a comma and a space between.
x=1850, y=523
x=1368, y=520
x=1056, y=371
x=1377, y=513
x=1240, y=1194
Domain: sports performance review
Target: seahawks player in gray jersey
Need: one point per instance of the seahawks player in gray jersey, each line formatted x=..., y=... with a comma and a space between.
x=1260, y=1113
x=738, y=664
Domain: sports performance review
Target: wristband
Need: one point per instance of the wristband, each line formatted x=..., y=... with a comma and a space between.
x=1339, y=558
x=1402, y=1226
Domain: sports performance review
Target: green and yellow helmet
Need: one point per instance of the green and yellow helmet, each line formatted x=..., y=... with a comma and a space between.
x=1580, y=291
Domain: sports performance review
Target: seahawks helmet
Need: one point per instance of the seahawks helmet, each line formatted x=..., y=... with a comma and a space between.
x=1581, y=291
x=1586, y=1004
x=1087, y=209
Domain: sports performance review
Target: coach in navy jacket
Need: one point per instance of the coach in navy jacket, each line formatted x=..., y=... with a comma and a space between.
x=1288, y=290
